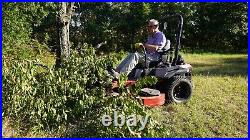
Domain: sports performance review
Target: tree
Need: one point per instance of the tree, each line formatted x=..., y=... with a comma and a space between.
x=63, y=20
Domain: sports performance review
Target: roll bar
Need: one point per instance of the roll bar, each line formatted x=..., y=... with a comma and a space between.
x=178, y=37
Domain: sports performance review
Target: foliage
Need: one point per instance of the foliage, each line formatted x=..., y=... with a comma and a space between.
x=224, y=28
x=220, y=97
x=73, y=96
x=221, y=25
x=52, y=99
x=20, y=20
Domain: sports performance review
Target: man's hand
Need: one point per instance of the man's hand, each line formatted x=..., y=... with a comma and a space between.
x=138, y=45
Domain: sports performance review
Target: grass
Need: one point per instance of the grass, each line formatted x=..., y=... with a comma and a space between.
x=217, y=108
x=219, y=105
x=218, y=64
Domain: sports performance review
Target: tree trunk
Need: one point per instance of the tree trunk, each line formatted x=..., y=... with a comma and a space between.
x=63, y=21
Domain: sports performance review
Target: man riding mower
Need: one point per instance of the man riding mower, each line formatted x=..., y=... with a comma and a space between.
x=162, y=60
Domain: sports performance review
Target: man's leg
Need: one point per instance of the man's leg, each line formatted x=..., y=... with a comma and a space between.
x=127, y=65
x=151, y=58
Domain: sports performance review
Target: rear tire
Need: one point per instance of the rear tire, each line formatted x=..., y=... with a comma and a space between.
x=179, y=90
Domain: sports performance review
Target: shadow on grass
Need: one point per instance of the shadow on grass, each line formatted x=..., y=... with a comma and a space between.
x=225, y=67
x=89, y=127
x=83, y=129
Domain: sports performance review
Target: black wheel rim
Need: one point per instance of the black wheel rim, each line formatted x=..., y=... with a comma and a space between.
x=182, y=91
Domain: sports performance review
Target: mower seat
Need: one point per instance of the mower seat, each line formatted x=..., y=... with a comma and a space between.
x=163, y=57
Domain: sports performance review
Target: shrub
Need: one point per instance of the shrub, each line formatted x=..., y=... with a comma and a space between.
x=72, y=95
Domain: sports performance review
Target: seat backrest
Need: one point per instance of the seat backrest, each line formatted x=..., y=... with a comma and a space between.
x=165, y=53
x=167, y=46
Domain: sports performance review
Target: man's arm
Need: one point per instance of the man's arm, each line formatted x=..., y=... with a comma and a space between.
x=151, y=47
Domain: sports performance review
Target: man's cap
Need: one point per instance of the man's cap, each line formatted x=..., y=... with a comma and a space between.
x=154, y=21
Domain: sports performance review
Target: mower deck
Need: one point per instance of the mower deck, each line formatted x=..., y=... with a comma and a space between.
x=147, y=99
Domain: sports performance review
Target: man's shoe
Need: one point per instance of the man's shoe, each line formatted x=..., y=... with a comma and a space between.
x=112, y=72
x=115, y=74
